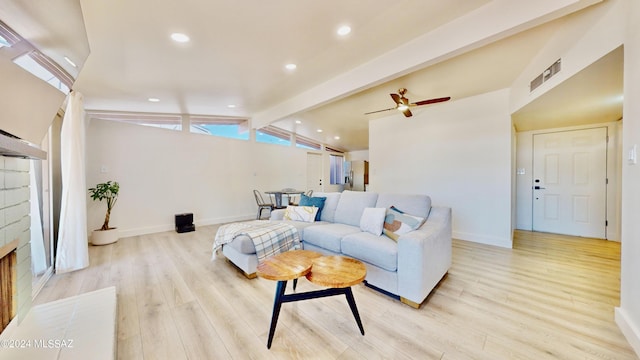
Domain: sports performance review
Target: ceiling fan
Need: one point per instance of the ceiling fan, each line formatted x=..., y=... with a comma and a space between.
x=403, y=104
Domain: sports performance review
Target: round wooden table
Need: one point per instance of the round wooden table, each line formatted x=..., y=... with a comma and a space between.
x=337, y=273
x=288, y=265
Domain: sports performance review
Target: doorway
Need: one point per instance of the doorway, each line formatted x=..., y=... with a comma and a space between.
x=314, y=172
x=570, y=182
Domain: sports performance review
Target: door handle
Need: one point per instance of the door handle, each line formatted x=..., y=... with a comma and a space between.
x=538, y=188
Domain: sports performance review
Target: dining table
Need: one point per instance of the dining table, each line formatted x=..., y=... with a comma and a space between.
x=277, y=194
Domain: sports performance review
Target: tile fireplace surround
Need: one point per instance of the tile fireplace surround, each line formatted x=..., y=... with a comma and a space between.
x=14, y=225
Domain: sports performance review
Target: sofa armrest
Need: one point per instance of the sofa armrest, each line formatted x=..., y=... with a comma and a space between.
x=277, y=214
x=424, y=256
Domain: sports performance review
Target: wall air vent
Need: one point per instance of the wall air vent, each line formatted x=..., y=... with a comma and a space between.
x=546, y=75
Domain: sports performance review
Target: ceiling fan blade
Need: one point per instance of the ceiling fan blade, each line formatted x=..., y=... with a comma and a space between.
x=432, y=101
x=407, y=113
x=377, y=111
x=396, y=98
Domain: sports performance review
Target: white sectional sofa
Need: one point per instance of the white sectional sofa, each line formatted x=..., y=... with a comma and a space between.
x=408, y=268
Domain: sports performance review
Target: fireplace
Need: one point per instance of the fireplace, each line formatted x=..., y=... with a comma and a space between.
x=8, y=261
x=15, y=236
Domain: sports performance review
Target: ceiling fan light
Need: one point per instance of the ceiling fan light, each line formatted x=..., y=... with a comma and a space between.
x=402, y=107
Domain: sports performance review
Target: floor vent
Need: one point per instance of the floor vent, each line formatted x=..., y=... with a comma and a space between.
x=546, y=75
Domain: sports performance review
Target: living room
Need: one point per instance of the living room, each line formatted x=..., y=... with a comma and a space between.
x=460, y=153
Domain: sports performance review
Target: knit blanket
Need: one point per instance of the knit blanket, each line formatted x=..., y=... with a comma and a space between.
x=269, y=238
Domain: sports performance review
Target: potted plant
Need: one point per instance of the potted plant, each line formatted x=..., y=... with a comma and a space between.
x=105, y=191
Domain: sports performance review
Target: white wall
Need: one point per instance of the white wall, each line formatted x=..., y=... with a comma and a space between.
x=524, y=182
x=580, y=42
x=164, y=172
x=628, y=314
x=357, y=155
x=459, y=153
x=28, y=104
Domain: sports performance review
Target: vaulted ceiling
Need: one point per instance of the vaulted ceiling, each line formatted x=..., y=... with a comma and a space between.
x=234, y=63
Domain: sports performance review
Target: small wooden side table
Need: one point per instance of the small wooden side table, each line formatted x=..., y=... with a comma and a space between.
x=337, y=273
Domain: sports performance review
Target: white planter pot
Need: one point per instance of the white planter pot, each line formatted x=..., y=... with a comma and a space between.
x=104, y=237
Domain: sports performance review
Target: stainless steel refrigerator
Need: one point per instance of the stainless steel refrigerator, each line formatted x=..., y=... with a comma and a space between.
x=356, y=175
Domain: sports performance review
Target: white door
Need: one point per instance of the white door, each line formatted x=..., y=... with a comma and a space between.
x=570, y=182
x=314, y=172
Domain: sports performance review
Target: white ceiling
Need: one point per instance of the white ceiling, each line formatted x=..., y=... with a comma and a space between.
x=238, y=50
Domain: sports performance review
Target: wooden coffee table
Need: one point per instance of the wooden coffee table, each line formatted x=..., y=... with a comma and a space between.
x=337, y=273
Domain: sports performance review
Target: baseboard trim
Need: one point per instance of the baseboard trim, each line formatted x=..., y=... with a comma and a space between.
x=171, y=227
x=630, y=331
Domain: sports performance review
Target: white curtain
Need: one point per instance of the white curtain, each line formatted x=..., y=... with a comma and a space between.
x=73, y=248
x=38, y=257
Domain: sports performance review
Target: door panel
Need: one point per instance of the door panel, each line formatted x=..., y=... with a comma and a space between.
x=569, y=171
x=314, y=172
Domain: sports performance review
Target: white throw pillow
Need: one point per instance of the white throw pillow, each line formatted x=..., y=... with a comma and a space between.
x=372, y=220
x=301, y=213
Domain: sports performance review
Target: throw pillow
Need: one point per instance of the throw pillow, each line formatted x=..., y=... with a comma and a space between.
x=313, y=201
x=396, y=223
x=300, y=213
x=372, y=220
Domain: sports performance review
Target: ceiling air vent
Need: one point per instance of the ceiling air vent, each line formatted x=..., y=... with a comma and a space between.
x=546, y=75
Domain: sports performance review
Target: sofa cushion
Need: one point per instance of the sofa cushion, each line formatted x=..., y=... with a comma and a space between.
x=396, y=223
x=417, y=205
x=243, y=244
x=351, y=206
x=376, y=250
x=330, y=204
x=301, y=213
x=372, y=220
x=328, y=236
x=313, y=201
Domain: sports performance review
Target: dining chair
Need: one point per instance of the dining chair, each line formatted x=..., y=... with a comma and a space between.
x=261, y=203
x=307, y=193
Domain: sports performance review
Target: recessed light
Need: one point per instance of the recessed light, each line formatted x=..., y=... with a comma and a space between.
x=344, y=30
x=154, y=99
x=337, y=137
x=70, y=62
x=231, y=106
x=298, y=122
x=291, y=66
x=180, y=37
x=319, y=130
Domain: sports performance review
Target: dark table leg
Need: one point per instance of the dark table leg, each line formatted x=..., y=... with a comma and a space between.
x=354, y=308
x=282, y=298
x=277, y=304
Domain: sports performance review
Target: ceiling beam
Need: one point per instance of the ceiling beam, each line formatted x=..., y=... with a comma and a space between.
x=494, y=21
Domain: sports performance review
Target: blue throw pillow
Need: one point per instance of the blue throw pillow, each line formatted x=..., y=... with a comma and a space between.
x=313, y=201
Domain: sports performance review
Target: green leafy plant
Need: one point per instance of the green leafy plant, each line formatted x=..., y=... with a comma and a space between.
x=106, y=191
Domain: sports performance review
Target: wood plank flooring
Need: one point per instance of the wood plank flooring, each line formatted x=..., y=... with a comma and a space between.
x=551, y=297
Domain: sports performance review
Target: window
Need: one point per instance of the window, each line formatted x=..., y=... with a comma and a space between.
x=306, y=143
x=333, y=150
x=273, y=135
x=36, y=62
x=4, y=42
x=336, y=169
x=7, y=36
x=32, y=62
x=235, y=128
x=164, y=121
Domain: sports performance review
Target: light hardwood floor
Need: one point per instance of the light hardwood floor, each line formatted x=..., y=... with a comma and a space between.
x=551, y=297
